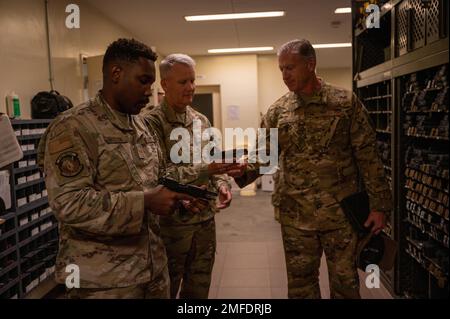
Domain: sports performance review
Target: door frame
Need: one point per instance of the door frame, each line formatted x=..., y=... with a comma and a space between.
x=217, y=107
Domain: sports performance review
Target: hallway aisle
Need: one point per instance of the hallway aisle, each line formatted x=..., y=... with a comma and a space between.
x=250, y=259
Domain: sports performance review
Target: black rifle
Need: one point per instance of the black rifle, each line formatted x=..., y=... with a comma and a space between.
x=190, y=190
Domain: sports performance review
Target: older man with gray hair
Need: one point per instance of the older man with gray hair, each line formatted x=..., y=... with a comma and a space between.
x=326, y=142
x=190, y=239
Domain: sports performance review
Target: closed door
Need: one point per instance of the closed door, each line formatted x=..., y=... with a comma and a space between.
x=203, y=103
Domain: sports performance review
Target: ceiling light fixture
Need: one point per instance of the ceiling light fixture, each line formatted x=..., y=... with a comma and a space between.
x=235, y=50
x=230, y=16
x=332, y=45
x=343, y=10
x=387, y=6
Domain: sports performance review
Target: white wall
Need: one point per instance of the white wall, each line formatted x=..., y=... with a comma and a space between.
x=23, y=54
x=237, y=76
x=270, y=82
x=341, y=77
x=23, y=58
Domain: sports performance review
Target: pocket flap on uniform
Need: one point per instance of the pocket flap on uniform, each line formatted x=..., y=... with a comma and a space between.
x=350, y=170
x=146, y=139
x=327, y=137
x=285, y=121
x=115, y=139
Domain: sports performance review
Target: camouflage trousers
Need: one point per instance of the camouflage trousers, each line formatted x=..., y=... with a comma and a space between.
x=276, y=211
x=155, y=289
x=191, y=252
x=303, y=251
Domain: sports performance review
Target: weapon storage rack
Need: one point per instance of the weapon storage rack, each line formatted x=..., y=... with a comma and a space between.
x=29, y=235
x=400, y=72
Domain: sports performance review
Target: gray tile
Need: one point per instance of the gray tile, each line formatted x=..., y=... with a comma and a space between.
x=221, y=248
x=365, y=293
x=323, y=274
x=275, y=246
x=219, y=259
x=278, y=277
x=218, y=268
x=247, y=248
x=244, y=293
x=372, y=293
x=245, y=278
x=277, y=260
x=325, y=292
x=213, y=292
x=251, y=260
x=216, y=276
x=279, y=293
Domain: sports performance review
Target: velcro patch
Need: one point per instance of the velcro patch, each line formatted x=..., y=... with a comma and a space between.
x=60, y=144
x=115, y=139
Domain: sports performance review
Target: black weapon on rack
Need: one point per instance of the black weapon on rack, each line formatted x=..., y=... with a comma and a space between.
x=413, y=84
x=412, y=91
x=192, y=190
x=443, y=127
x=421, y=100
x=441, y=101
x=440, y=79
x=385, y=150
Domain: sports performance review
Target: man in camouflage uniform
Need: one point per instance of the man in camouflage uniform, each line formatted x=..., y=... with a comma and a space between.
x=102, y=167
x=325, y=142
x=190, y=239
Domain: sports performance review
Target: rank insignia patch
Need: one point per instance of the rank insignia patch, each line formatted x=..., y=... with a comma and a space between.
x=69, y=164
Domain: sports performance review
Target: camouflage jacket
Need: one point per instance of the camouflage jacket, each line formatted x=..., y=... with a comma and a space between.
x=162, y=120
x=276, y=200
x=98, y=163
x=325, y=143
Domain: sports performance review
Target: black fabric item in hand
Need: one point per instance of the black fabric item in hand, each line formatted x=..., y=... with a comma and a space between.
x=356, y=208
x=2, y=206
x=376, y=249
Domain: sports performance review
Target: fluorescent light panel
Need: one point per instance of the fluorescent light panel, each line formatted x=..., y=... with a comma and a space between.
x=343, y=10
x=253, y=49
x=234, y=50
x=332, y=45
x=230, y=16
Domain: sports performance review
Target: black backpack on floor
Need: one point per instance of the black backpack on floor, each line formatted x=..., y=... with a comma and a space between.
x=47, y=105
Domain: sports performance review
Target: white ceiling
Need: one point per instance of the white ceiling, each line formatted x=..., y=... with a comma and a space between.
x=161, y=24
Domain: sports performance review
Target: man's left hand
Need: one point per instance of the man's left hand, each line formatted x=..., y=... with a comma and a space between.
x=377, y=220
x=196, y=205
x=224, y=197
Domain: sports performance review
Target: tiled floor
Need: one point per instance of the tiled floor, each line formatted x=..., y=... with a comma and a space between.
x=250, y=259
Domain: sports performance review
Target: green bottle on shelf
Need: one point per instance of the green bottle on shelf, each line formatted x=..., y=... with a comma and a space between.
x=13, y=105
x=16, y=105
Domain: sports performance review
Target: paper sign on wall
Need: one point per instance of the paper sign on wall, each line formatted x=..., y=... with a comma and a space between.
x=233, y=113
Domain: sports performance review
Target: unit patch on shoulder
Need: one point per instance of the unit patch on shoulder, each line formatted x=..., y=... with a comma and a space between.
x=69, y=164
